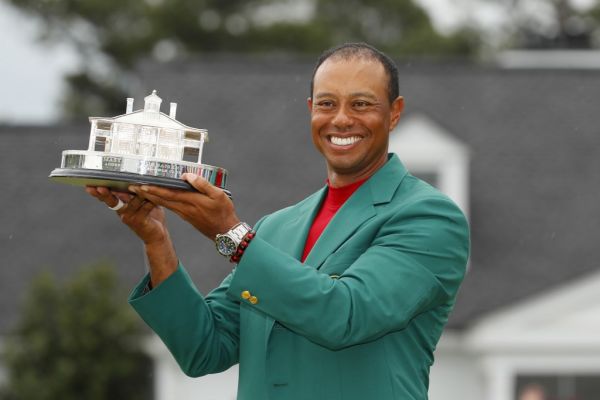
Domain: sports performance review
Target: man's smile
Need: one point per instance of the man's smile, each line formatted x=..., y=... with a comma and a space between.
x=344, y=140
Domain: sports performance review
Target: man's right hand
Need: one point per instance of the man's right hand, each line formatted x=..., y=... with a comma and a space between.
x=148, y=222
x=142, y=217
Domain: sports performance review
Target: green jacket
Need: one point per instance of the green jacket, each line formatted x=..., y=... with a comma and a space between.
x=359, y=319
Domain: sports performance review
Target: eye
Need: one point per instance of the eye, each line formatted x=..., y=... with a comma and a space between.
x=360, y=104
x=325, y=104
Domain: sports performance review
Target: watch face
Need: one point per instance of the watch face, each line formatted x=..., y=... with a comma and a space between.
x=226, y=245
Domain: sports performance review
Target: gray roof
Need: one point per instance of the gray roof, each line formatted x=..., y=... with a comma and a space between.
x=534, y=142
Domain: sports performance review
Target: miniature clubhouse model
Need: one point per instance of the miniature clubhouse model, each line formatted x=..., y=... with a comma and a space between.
x=140, y=147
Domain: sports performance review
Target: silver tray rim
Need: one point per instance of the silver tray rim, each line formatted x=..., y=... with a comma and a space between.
x=140, y=165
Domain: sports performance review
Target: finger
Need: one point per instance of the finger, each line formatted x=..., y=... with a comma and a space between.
x=140, y=213
x=92, y=191
x=156, y=191
x=97, y=191
x=157, y=200
x=201, y=184
x=103, y=194
x=126, y=197
x=104, y=191
x=135, y=204
x=145, y=209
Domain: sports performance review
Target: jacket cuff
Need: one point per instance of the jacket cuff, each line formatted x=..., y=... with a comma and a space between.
x=152, y=304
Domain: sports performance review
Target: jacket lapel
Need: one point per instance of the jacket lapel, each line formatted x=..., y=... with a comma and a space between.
x=297, y=229
x=357, y=209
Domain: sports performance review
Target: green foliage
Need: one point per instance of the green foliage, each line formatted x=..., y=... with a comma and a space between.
x=77, y=340
x=400, y=28
x=112, y=36
x=561, y=26
x=87, y=96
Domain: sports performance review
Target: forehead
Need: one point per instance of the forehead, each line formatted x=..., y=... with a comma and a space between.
x=352, y=75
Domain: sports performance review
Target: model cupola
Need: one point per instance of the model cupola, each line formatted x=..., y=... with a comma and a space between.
x=152, y=106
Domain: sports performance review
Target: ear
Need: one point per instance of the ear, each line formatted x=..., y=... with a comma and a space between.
x=309, y=103
x=395, y=111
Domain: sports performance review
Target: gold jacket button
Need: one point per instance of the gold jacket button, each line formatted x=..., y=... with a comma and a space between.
x=253, y=299
x=246, y=295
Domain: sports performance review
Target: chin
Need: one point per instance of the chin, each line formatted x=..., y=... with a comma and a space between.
x=343, y=166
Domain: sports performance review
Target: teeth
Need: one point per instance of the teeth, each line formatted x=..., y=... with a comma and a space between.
x=344, y=141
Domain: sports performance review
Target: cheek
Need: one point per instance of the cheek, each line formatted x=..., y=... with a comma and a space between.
x=317, y=119
x=379, y=125
x=317, y=123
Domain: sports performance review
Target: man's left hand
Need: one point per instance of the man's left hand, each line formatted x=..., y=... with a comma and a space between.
x=208, y=209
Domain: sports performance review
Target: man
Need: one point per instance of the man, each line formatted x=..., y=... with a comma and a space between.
x=341, y=296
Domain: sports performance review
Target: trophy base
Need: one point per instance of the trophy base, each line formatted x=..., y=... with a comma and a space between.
x=118, y=181
x=118, y=171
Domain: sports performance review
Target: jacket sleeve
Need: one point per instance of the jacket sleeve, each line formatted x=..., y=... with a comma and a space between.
x=414, y=264
x=201, y=333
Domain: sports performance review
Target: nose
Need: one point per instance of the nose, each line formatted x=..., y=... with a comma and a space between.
x=341, y=119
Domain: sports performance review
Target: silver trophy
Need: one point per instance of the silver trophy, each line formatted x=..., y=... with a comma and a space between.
x=139, y=147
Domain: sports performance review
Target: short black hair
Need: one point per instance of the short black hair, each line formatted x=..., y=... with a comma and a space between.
x=349, y=51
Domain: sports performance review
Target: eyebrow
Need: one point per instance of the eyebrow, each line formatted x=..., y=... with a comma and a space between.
x=364, y=94
x=324, y=94
x=355, y=94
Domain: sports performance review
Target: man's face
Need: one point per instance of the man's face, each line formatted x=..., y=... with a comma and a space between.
x=351, y=117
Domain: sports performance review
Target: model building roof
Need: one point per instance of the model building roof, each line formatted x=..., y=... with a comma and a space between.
x=151, y=115
x=137, y=117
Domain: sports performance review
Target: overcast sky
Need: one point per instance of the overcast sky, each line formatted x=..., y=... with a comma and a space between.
x=31, y=73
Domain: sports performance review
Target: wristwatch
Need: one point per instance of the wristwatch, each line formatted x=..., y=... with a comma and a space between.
x=228, y=242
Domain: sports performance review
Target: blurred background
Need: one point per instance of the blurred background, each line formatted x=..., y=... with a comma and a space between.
x=502, y=115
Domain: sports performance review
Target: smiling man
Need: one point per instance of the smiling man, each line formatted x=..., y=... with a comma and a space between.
x=342, y=296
